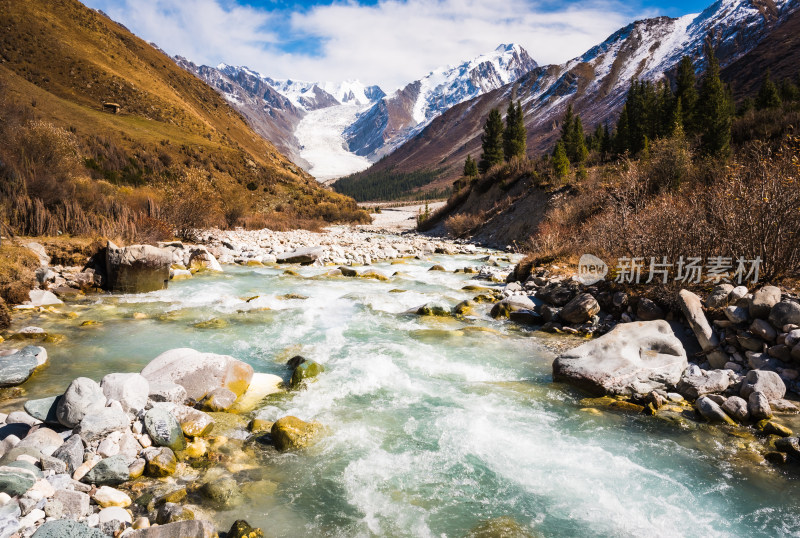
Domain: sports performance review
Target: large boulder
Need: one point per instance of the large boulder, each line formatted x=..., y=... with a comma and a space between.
x=692, y=308
x=98, y=424
x=289, y=433
x=83, y=396
x=703, y=382
x=766, y=382
x=303, y=256
x=785, y=313
x=763, y=301
x=633, y=358
x=17, y=367
x=137, y=268
x=43, y=298
x=202, y=260
x=711, y=411
x=130, y=390
x=580, y=309
x=199, y=373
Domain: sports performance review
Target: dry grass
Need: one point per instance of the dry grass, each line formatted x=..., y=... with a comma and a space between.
x=461, y=225
x=16, y=272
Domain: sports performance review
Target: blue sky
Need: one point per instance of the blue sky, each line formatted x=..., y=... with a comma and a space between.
x=385, y=42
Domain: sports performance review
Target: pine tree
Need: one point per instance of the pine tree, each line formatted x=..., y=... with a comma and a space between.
x=470, y=167
x=714, y=112
x=789, y=91
x=676, y=121
x=621, y=142
x=492, y=140
x=566, y=125
x=578, y=143
x=515, y=134
x=768, y=96
x=605, y=143
x=686, y=83
x=560, y=161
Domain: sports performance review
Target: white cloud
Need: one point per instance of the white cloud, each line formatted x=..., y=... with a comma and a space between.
x=390, y=44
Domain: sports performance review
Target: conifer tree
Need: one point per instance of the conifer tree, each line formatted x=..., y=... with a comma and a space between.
x=492, y=141
x=605, y=143
x=714, y=112
x=470, y=167
x=560, y=161
x=686, y=91
x=789, y=91
x=621, y=141
x=577, y=143
x=515, y=134
x=768, y=96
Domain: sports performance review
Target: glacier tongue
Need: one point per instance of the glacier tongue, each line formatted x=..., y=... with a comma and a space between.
x=321, y=133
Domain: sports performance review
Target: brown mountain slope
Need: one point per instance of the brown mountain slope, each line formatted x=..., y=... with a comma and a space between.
x=60, y=61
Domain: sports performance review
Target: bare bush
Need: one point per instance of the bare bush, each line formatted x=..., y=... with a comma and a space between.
x=461, y=225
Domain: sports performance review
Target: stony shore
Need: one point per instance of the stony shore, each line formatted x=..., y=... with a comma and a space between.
x=129, y=456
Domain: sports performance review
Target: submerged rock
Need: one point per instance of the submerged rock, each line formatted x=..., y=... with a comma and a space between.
x=501, y=527
x=633, y=358
x=290, y=433
x=305, y=371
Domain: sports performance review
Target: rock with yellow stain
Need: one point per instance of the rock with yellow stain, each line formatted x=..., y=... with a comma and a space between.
x=139, y=315
x=197, y=448
x=291, y=433
x=261, y=386
x=259, y=425
x=213, y=323
x=374, y=275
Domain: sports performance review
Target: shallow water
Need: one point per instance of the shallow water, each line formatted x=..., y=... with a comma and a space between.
x=433, y=426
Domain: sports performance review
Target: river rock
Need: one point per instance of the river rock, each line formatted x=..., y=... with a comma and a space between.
x=114, y=513
x=711, y=410
x=704, y=382
x=758, y=406
x=693, y=310
x=42, y=439
x=164, y=429
x=763, y=301
x=580, y=309
x=289, y=433
x=43, y=298
x=106, y=496
x=261, y=386
x=98, y=424
x=736, y=408
x=109, y=471
x=71, y=453
x=74, y=504
x=224, y=493
x=160, y=462
x=512, y=304
x=763, y=330
x=44, y=409
x=83, y=397
x=219, y=399
x=193, y=422
x=18, y=477
x=718, y=297
x=137, y=268
x=789, y=445
x=202, y=260
x=130, y=390
x=633, y=358
x=242, y=529
x=647, y=310
x=61, y=528
x=785, y=313
x=10, y=515
x=768, y=383
x=556, y=294
x=303, y=256
x=181, y=529
x=305, y=371
x=167, y=392
x=736, y=314
x=17, y=367
x=199, y=373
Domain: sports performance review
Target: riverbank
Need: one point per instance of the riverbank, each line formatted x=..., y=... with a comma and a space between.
x=409, y=368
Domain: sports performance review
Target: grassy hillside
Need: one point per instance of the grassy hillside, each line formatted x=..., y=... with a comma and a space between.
x=174, y=137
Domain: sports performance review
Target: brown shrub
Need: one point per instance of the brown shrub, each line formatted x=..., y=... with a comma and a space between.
x=461, y=225
x=16, y=272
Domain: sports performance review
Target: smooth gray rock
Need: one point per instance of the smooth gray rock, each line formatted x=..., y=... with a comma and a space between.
x=44, y=409
x=718, y=297
x=711, y=410
x=71, y=453
x=785, y=313
x=97, y=425
x=83, y=397
x=580, y=309
x=109, y=471
x=633, y=358
x=10, y=514
x=199, y=373
x=763, y=330
x=647, y=310
x=758, y=406
x=19, y=366
x=693, y=310
x=63, y=528
x=739, y=292
x=763, y=301
x=166, y=391
x=736, y=408
x=42, y=439
x=736, y=314
x=43, y=298
x=706, y=382
x=749, y=341
x=164, y=429
x=303, y=256
x=768, y=383
x=137, y=268
x=512, y=304
x=130, y=390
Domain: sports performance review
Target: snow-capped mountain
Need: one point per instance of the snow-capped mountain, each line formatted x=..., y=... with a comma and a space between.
x=399, y=116
x=596, y=82
x=334, y=129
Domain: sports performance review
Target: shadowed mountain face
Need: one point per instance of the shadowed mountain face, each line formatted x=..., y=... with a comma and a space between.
x=596, y=82
x=61, y=61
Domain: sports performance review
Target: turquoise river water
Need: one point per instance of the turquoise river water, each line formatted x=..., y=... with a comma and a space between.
x=434, y=425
